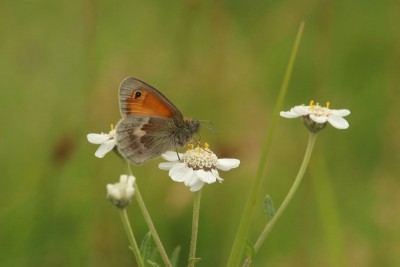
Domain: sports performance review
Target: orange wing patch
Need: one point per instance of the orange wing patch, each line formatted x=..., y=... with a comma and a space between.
x=148, y=104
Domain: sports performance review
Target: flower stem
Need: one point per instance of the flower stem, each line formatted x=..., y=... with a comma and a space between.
x=131, y=237
x=195, y=226
x=311, y=141
x=238, y=244
x=150, y=224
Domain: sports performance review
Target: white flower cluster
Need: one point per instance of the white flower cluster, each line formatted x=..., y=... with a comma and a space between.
x=120, y=194
x=316, y=117
x=106, y=141
x=196, y=167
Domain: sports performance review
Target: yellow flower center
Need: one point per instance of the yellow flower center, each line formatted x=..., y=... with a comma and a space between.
x=200, y=158
x=318, y=110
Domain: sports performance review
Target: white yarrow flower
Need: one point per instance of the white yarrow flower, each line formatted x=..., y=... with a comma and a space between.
x=106, y=141
x=120, y=194
x=196, y=167
x=316, y=117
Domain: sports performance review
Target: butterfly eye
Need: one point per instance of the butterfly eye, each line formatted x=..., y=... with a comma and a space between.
x=138, y=94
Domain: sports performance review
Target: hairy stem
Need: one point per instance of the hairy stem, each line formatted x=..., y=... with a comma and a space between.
x=150, y=224
x=311, y=141
x=131, y=237
x=238, y=244
x=195, y=226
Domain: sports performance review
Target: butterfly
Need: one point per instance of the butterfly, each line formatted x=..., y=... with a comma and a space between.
x=150, y=123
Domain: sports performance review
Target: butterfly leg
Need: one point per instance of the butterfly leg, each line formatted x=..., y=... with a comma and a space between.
x=176, y=150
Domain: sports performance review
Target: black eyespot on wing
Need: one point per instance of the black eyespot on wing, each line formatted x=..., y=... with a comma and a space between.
x=138, y=94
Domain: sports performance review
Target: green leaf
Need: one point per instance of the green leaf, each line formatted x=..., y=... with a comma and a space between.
x=249, y=248
x=194, y=261
x=269, y=207
x=154, y=255
x=145, y=247
x=174, y=258
x=152, y=263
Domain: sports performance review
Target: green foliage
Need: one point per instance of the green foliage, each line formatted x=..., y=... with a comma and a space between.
x=269, y=208
x=193, y=261
x=146, y=247
x=149, y=251
x=249, y=249
x=175, y=256
x=150, y=263
x=61, y=64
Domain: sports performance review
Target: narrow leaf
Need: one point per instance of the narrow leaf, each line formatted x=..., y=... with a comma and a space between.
x=145, y=247
x=175, y=256
x=194, y=261
x=249, y=248
x=152, y=263
x=269, y=207
x=155, y=254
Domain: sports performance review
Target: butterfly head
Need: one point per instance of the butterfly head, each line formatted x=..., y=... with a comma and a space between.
x=193, y=126
x=185, y=133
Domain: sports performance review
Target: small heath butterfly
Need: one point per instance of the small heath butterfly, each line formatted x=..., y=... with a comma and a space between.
x=150, y=123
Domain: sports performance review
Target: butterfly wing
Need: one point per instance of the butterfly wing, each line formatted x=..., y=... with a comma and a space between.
x=138, y=98
x=150, y=123
x=141, y=138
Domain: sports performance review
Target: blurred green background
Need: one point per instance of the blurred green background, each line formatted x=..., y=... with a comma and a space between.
x=61, y=63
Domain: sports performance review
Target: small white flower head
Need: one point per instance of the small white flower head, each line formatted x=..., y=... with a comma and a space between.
x=196, y=167
x=316, y=117
x=106, y=141
x=120, y=194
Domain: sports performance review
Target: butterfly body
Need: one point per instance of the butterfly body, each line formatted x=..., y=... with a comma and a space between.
x=150, y=123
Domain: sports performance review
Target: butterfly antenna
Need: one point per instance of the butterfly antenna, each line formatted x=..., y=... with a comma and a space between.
x=198, y=141
x=212, y=130
x=199, y=144
x=208, y=127
x=206, y=121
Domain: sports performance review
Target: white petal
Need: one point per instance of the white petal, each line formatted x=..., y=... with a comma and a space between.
x=216, y=174
x=171, y=156
x=187, y=174
x=105, y=148
x=129, y=192
x=340, y=112
x=131, y=180
x=116, y=194
x=227, y=164
x=110, y=187
x=197, y=186
x=123, y=178
x=97, y=138
x=167, y=165
x=318, y=119
x=112, y=133
x=207, y=177
x=289, y=114
x=193, y=179
x=301, y=110
x=338, y=122
x=180, y=172
x=113, y=191
x=177, y=168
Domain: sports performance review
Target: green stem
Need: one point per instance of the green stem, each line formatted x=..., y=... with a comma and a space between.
x=311, y=141
x=238, y=244
x=195, y=226
x=131, y=237
x=150, y=224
